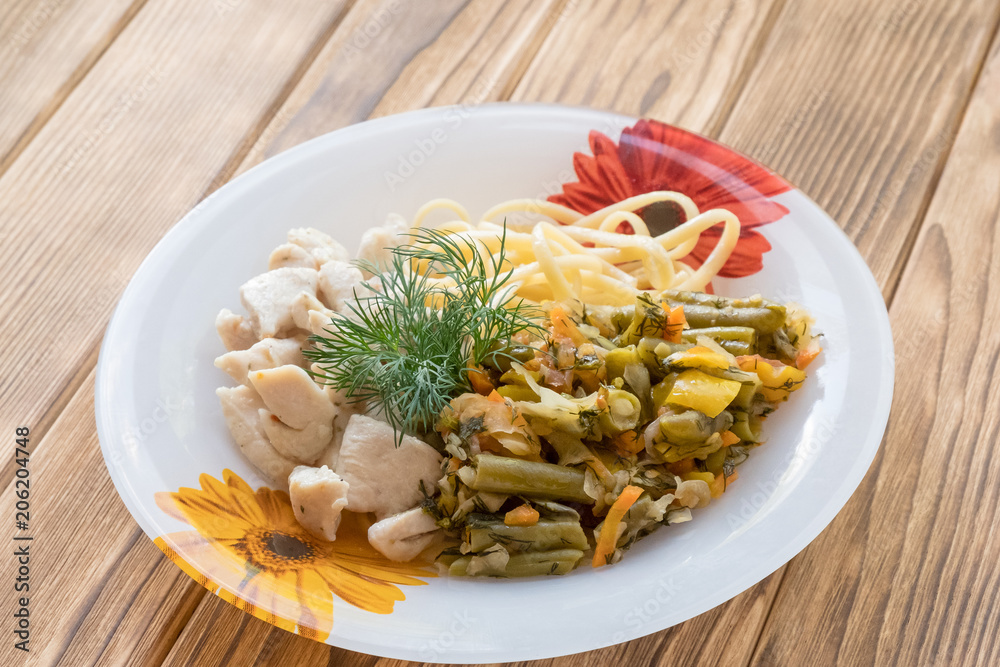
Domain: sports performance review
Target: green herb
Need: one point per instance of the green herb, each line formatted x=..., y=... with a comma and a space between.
x=406, y=347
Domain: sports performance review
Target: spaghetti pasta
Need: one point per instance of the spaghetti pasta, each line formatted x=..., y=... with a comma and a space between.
x=567, y=256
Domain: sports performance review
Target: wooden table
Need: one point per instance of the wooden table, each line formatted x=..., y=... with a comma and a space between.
x=118, y=116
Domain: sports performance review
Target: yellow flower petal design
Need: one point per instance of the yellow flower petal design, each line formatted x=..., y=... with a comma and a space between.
x=249, y=549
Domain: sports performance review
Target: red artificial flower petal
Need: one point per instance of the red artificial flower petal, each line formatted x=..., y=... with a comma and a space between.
x=655, y=156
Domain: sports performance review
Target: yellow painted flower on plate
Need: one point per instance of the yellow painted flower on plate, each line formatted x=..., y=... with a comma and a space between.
x=249, y=548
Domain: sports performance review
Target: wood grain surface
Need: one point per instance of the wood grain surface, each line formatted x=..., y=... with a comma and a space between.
x=117, y=117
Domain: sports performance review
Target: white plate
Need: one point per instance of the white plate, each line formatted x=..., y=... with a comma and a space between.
x=160, y=425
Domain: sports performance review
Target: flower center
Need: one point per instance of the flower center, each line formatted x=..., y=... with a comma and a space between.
x=662, y=216
x=274, y=550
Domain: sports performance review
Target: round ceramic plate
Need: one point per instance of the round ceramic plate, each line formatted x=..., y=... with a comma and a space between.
x=186, y=483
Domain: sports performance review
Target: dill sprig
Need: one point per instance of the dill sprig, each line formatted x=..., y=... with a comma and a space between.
x=405, y=346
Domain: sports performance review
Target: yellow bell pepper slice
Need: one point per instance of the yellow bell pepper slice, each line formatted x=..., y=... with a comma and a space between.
x=699, y=357
x=705, y=393
x=779, y=380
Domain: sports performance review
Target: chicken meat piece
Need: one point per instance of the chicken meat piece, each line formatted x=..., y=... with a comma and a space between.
x=321, y=246
x=293, y=397
x=303, y=306
x=289, y=255
x=345, y=409
x=299, y=444
x=377, y=243
x=384, y=478
x=234, y=330
x=338, y=283
x=269, y=299
x=241, y=408
x=401, y=537
x=268, y=353
x=318, y=496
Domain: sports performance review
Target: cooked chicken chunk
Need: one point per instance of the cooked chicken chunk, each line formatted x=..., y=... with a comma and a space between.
x=240, y=407
x=290, y=393
x=303, y=445
x=384, y=479
x=323, y=248
x=235, y=331
x=378, y=242
x=268, y=353
x=302, y=308
x=269, y=298
x=403, y=536
x=338, y=282
x=290, y=255
x=318, y=497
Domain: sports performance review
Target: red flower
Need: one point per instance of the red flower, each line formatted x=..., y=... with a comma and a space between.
x=655, y=156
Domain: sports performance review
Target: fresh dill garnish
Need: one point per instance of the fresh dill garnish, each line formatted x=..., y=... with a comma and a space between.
x=407, y=344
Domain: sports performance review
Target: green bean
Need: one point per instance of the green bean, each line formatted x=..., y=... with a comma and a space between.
x=691, y=426
x=500, y=474
x=530, y=564
x=744, y=399
x=543, y=536
x=622, y=414
x=735, y=340
x=748, y=430
x=707, y=310
x=617, y=360
x=652, y=352
x=661, y=391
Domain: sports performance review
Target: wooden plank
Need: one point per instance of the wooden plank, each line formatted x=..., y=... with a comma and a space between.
x=128, y=153
x=857, y=103
x=907, y=573
x=675, y=61
x=425, y=54
x=88, y=558
x=39, y=66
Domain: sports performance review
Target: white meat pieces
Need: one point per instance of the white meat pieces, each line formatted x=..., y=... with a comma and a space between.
x=241, y=408
x=270, y=298
x=378, y=242
x=234, y=330
x=268, y=353
x=306, y=248
x=298, y=419
x=318, y=496
x=338, y=282
x=403, y=536
x=384, y=478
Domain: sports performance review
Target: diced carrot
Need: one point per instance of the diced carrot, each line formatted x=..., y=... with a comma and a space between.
x=609, y=532
x=562, y=325
x=629, y=442
x=805, y=357
x=479, y=380
x=718, y=486
x=525, y=515
x=675, y=325
x=454, y=463
x=729, y=438
x=495, y=396
x=732, y=478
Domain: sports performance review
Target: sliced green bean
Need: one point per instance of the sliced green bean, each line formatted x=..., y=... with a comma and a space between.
x=622, y=414
x=691, y=426
x=534, y=479
x=530, y=564
x=543, y=536
x=735, y=340
x=617, y=360
x=707, y=310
